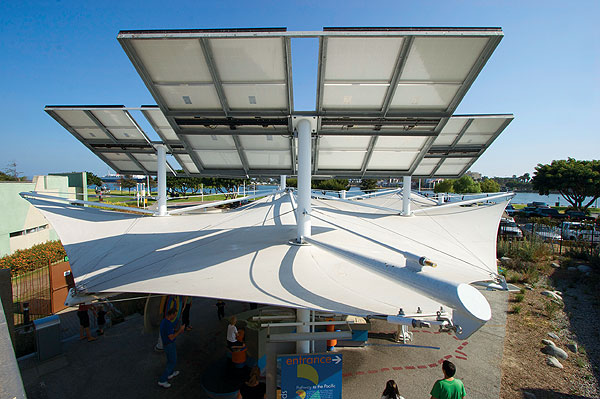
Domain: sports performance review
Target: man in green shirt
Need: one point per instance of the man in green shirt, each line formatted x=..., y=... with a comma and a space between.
x=449, y=387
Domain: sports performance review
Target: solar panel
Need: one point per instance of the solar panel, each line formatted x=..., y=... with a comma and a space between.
x=385, y=99
x=112, y=134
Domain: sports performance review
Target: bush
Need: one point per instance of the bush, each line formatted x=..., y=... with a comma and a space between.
x=516, y=309
x=26, y=260
x=519, y=297
x=551, y=309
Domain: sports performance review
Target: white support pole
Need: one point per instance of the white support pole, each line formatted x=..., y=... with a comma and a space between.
x=161, y=154
x=343, y=194
x=406, y=180
x=282, y=182
x=303, y=316
x=304, y=180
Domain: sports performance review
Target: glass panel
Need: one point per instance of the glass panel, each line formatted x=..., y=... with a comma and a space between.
x=127, y=134
x=168, y=134
x=145, y=157
x=454, y=125
x=450, y=131
x=75, y=118
x=248, y=59
x=361, y=59
x=259, y=96
x=424, y=96
x=344, y=143
x=452, y=166
x=392, y=160
x=198, y=97
x=348, y=96
x=442, y=58
x=113, y=118
x=92, y=133
x=269, y=159
x=350, y=160
x=267, y=142
x=220, y=159
x=426, y=166
x=486, y=125
x=116, y=156
x=173, y=60
x=445, y=139
x=400, y=143
x=211, y=142
x=128, y=166
x=186, y=160
x=150, y=166
x=474, y=139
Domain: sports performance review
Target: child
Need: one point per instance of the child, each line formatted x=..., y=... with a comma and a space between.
x=101, y=319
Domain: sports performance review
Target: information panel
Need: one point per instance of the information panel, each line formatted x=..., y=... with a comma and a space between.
x=311, y=376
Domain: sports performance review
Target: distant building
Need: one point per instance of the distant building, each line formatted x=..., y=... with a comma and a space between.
x=21, y=224
x=474, y=175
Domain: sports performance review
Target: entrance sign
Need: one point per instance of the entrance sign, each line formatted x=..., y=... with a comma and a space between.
x=317, y=376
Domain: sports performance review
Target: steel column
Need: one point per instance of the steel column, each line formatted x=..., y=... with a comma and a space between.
x=304, y=180
x=406, y=180
x=282, y=182
x=303, y=315
x=161, y=154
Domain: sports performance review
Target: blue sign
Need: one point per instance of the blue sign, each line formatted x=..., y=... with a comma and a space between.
x=311, y=376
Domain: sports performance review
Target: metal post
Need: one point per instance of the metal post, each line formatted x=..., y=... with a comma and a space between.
x=343, y=194
x=161, y=154
x=282, y=182
x=271, y=370
x=406, y=196
x=304, y=180
x=303, y=315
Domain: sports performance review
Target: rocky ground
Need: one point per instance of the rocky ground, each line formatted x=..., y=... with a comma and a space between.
x=552, y=319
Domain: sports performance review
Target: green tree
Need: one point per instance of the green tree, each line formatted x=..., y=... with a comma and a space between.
x=368, y=185
x=127, y=182
x=574, y=180
x=93, y=180
x=466, y=185
x=331, y=184
x=445, y=186
x=489, y=186
x=10, y=173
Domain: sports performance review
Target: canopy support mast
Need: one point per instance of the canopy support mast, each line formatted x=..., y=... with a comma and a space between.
x=406, y=180
x=304, y=128
x=161, y=155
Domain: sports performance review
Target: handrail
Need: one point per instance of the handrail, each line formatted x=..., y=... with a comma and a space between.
x=217, y=203
x=34, y=194
x=467, y=202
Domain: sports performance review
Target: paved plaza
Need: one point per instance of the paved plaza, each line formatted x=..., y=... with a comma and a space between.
x=122, y=363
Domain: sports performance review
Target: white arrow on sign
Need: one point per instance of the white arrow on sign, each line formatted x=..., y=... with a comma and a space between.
x=336, y=359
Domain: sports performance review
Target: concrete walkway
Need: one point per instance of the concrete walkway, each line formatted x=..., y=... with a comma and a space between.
x=122, y=363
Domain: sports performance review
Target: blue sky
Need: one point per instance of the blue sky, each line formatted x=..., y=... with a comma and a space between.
x=546, y=70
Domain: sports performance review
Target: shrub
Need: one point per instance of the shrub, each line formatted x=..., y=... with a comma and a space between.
x=519, y=297
x=26, y=260
x=516, y=309
x=551, y=309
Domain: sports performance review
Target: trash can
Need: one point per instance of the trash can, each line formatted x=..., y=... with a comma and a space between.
x=47, y=337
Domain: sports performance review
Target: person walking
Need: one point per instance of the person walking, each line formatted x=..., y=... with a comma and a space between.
x=168, y=335
x=220, y=309
x=391, y=391
x=449, y=387
x=185, y=317
x=84, y=321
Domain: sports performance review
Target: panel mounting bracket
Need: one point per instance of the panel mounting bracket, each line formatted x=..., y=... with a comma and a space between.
x=313, y=120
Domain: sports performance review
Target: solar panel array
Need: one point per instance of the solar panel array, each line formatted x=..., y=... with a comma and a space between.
x=385, y=99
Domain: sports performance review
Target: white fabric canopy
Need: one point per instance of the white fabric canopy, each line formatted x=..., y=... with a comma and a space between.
x=360, y=261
